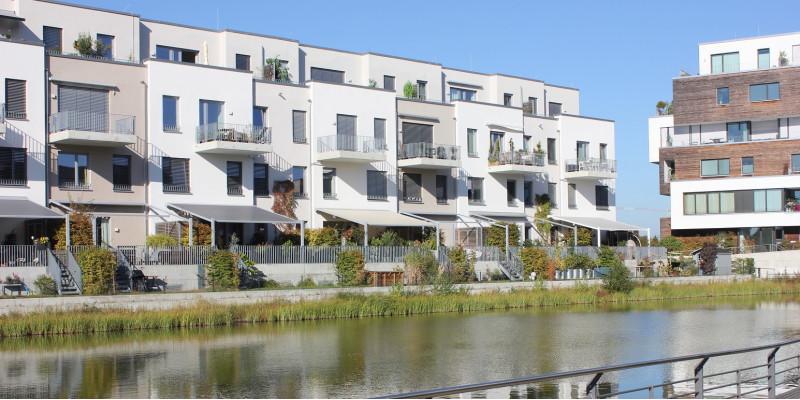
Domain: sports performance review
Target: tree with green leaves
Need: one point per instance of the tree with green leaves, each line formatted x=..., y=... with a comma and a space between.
x=85, y=46
x=542, y=213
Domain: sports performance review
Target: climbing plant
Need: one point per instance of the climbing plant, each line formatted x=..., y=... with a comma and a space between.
x=80, y=227
x=542, y=212
x=201, y=233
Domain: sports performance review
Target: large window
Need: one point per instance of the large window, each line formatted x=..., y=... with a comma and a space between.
x=552, y=192
x=496, y=141
x=176, y=54
x=582, y=150
x=261, y=180
x=738, y=131
x=555, y=109
x=243, y=62
x=108, y=45
x=475, y=190
x=720, y=167
x=747, y=165
x=551, y=151
x=175, y=174
x=601, y=197
x=327, y=75
x=379, y=132
x=13, y=166
x=728, y=202
x=299, y=126
x=723, y=96
x=795, y=163
x=507, y=99
x=170, y=114
x=52, y=39
x=527, y=194
x=472, y=150
x=73, y=171
x=388, y=82
x=234, y=177
x=376, y=185
x=412, y=188
x=765, y=92
x=329, y=183
x=572, y=190
x=121, y=173
x=345, y=125
x=511, y=192
x=763, y=58
x=211, y=112
x=441, y=189
x=16, y=99
x=259, y=117
x=299, y=177
x=727, y=62
x=462, y=94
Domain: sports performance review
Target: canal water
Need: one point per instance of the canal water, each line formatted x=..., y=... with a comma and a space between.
x=379, y=356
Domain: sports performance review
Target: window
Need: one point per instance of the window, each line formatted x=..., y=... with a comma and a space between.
x=507, y=99
x=298, y=177
x=16, y=99
x=551, y=151
x=327, y=75
x=211, y=112
x=689, y=204
x=572, y=201
x=526, y=143
x=328, y=183
x=763, y=58
x=555, y=109
x=747, y=165
x=719, y=167
x=527, y=193
x=422, y=90
x=170, y=114
x=496, y=142
x=601, y=197
x=727, y=62
x=52, y=39
x=531, y=107
x=738, y=131
x=13, y=166
x=412, y=188
x=261, y=180
x=723, y=96
x=417, y=133
x=603, y=151
x=388, y=82
x=175, y=175
x=511, y=192
x=259, y=117
x=234, y=177
x=88, y=108
x=552, y=192
x=299, y=126
x=243, y=62
x=769, y=200
x=765, y=92
x=441, y=189
x=376, y=185
x=121, y=173
x=475, y=190
x=472, y=151
x=73, y=171
x=795, y=163
x=176, y=54
x=583, y=150
x=108, y=45
x=345, y=125
x=462, y=94
x=380, y=133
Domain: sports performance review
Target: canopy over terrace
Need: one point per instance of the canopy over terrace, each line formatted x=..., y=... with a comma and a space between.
x=602, y=224
x=12, y=207
x=378, y=218
x=235, y=214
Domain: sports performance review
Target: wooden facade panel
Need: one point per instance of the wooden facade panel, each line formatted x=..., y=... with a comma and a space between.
x=769, y=157
x=666, y=227
x=695, y=98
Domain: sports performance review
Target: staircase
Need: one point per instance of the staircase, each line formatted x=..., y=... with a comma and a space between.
x=123, y=278
x=68, y=274
x=512, y=265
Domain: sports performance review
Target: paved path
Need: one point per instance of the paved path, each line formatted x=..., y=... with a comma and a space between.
x=156, y=301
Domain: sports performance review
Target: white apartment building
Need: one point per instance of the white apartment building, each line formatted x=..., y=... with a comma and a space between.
x=183, y=122
x=728, y=155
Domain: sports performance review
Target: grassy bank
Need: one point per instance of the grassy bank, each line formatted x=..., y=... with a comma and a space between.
x=91, y=320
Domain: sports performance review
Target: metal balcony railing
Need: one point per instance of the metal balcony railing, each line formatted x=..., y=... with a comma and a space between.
x=429, y=150
x=590, y=164
x=361, y=144
x=235, y=190
x=176, y=188
x=240, y=133
x=121, y=187
x=13, y=182
x=669, y=138
x=172, y=128
x=519, y=157
x=70, y=185
x=92, y=122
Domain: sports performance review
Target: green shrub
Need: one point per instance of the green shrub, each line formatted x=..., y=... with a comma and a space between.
x=98, y=267
x=535, y=260
x=270, y=284
x=497, y=235
x=221, y=270
x=45, y=285
x=421, y=266
x=85, y=46
x=306, y=283
x=463, y=264
x=350, y=268
x=325, y=236
x=743, y=266
x=443, y=285
x=618, y=278
x=288, y=238
x=160, y=240
x=408, y=90
x=387, y=238
x=671, y=243
x=578, y=261
x=584, y=237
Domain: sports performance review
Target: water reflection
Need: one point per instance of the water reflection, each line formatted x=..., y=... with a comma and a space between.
x=371, y=357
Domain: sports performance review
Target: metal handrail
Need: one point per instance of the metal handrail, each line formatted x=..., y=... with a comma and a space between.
x=520, y=157
x=92, y=122
x=590, y=164
x=428, y=150
x=362, y=144
x=599, y=371
x=240, y=133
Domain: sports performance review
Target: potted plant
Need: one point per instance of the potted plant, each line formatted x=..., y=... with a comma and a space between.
x=14, y=279
x=539, y=148
x=791, y=205
x=783, y=60
x=41, y=243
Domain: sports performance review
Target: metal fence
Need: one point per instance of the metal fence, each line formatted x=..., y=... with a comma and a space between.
x=590, y=164
x=627, y=253
x=519, y=157
x=22, y=256
x=166, y=255
x=428, y=150
x=239, y=133
x=321, y=254
x=363, y=144
x=92, y=122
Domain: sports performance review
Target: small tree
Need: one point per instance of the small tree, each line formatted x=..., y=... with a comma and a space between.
x=86, y=47
x=161, y=240
x=45, y=285
x=408, y=90
x=463, y=264
x=325, y=236
x=201, y=233
x=221, y=269
x=497, y=235
x=708, y=258
x=743, y=266
x=421, y=266
x=584, y=237
x=783, y=60
x=98, y=266
x=387, y=238
x=542, y=213
x=535, y=260
x=671, y=243
x=618, y=277
x=349, y=267
x=284, y=202
x=80, y=227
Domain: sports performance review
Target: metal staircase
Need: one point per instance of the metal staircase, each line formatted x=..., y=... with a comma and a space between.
x=123, y=278
x=511, y=265
x=64, y=268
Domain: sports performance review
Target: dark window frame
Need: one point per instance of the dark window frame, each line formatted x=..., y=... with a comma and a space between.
x=234, y=182
x=601, y=197
x=123, y=184
x=15, y=172
x=260, y=184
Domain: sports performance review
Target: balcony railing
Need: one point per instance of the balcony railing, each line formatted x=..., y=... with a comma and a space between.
x=172, y=128
x=519, y=157
x=591, y=164
x=329, y=196
x=13, y=182
x=121, y=187
x=377, y=196
x=176, y=188
x=15, y=114
x=92, y=122
x=429, y=150
x=220, y=131
x=129, y=60
x=235, y=190
x=69, y=185
x=361, y=144
x=671, y=139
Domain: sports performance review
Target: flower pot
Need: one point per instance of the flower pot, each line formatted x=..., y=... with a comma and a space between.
x=41, y=246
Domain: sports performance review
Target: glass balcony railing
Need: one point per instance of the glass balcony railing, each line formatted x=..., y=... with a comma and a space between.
x=361, y=144
x=590, y=164
x=240, y=133
x=518, y=157
x=92, y=122
x=429, y=150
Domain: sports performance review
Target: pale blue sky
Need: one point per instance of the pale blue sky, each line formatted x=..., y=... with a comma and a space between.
x=621, y=55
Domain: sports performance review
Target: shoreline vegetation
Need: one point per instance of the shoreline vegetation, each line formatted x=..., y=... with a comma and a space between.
x=399, y=302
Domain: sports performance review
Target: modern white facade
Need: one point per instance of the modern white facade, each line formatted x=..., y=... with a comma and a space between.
x=219, y=130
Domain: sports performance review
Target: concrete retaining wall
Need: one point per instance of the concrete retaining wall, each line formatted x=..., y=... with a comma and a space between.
x=27, y=274
x=177, y=277
x=294, y=273
x=775, y=262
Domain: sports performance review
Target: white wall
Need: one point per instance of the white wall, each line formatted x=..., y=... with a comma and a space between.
x=654, y=125
x=171, y=35
x=351, y=63
x=748, y=50
x=259, y=48
x=405, y=71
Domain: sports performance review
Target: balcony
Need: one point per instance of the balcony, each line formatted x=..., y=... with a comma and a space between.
x=682, y=137
x=517, y=163
x=590, y=169
x=351, y=149
x=222, y=138
x=92, y=129
x=428, y=156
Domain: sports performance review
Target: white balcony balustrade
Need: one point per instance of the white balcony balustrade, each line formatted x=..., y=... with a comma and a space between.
x=92, y=129
x=224, y=138
x=429, y=155
x=351, y=148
